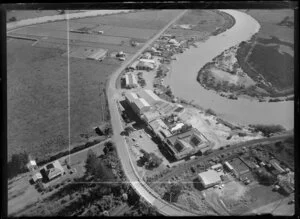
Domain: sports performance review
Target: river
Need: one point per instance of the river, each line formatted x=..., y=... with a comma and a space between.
x=184, y=70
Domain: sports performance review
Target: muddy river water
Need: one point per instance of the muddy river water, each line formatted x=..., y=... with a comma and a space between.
x=184, y=70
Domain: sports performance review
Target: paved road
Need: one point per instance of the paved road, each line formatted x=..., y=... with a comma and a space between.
x=215, y=153
x=122, y=148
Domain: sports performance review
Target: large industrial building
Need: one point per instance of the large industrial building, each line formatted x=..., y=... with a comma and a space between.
x=209, y=178
x=187, y=143
x=138, y=104
x=161, y=117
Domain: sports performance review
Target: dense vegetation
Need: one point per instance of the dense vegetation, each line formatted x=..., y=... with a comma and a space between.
x=17, y=164
x=149, y=160
x=277, y=68
x=268, y=129
x=98, y=193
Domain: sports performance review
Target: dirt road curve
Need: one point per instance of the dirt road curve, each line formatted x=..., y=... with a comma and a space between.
x=137, y=183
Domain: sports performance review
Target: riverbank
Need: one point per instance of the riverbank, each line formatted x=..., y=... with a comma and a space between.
x=242, y=111
x=225, y=76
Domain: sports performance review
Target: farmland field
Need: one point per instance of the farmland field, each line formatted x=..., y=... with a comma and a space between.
x=203, y=20
x=38, y=101
x=27, y=14
x=270, y=52
x=38, y=78
x=150, y=19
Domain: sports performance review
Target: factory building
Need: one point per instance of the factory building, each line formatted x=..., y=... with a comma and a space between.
x=139, y=105
x=209, y=178
x=149, y=96
x=131, y=81
x=187, y=143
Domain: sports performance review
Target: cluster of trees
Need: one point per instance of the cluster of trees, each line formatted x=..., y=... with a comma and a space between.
x=264, y=177
x=142, y=82
x=17, y=164
x=268, y=129
x=141, y=208
x=169, y=92
x=150, y=160
x=12, y=19
x=210, y=112
x=173, y=192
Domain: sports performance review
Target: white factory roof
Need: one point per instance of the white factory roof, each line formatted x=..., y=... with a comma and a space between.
x=131, y=96
x=177, y=126
x=140, y=103
x=144, y=102
x=209, y=177
x=149, y=96
x=130, y=79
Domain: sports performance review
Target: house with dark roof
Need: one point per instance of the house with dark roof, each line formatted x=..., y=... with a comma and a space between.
x=52, y=170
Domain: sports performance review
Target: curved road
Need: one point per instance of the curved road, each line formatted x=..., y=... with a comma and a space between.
x=137, y=183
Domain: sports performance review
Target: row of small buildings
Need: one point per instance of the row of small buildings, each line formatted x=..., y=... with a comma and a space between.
x=181, y=139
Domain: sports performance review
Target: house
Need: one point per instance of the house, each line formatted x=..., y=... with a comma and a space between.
x=147, y=55
x=147, y=66
x=52, y=170
x=32, y=166
x=217, y=167
x=174, y=42
x=209, y=178
x=99, y=55
x=36, y=177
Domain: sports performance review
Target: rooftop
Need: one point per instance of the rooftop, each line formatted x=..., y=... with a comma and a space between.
x=99, y=54
x=149, y=96
x=209, y=177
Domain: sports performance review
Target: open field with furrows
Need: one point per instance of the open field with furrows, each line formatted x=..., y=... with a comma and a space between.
x=62, y=44
x=204, y=20
x=41, y=32
x=27, y=14
x=148, y=19
x=38, y=98
x=277, y=23
x=270, y=53
x=38, y=80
